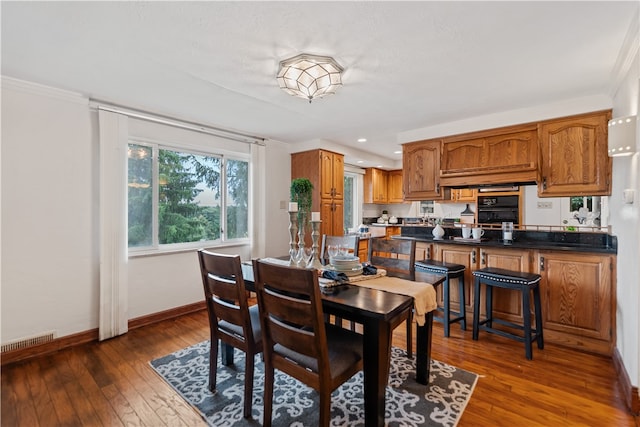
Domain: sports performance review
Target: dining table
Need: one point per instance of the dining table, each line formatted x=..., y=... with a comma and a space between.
x=378, y=311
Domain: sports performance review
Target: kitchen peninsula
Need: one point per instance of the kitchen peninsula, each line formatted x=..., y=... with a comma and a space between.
x=578, y=287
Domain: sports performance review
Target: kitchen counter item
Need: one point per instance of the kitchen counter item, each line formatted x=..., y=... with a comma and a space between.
x=543, y=240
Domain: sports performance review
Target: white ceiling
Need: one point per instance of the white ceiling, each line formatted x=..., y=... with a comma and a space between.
x=409, y=65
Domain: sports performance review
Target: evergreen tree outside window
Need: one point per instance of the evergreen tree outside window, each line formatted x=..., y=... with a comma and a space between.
x=195, y=195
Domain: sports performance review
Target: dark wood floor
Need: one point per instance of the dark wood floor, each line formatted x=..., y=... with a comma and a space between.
x=111, y=383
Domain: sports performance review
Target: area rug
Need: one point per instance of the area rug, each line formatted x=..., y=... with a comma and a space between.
x=408, y=403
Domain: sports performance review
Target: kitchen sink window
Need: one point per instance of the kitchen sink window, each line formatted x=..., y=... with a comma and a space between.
x=582, y=210
x=177, y=198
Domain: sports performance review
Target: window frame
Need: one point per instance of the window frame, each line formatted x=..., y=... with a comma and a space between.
x=156, y=247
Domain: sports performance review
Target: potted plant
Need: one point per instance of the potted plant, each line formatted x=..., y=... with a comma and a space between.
x=302, y=192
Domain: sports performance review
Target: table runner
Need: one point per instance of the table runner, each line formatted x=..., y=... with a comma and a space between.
x=424, y=294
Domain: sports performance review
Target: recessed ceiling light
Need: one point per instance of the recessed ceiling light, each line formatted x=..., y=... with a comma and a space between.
x=379, y=166
x=362, y=139
x=360, y=161
x=397, y=152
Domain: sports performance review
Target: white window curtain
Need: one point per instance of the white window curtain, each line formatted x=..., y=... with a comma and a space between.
x=113, y=224
x=259, y=190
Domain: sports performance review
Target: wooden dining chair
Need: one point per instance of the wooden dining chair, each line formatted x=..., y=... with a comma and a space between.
x=398, y=258
x=297, y=341
x=350, y=242
x=231, y=320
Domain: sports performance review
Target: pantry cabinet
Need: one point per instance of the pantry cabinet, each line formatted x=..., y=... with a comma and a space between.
x=578, y=300
x=573, y=156
x=325, y=170
x=421, y=167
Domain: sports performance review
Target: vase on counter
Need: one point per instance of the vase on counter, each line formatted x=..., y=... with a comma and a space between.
x=438, y=232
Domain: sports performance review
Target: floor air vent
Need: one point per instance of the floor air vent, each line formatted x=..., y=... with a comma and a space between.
x=28, y=342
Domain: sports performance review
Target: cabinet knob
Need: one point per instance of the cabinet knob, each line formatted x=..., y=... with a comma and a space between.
x=473, y=256
x=541, y=263
x=483, y=257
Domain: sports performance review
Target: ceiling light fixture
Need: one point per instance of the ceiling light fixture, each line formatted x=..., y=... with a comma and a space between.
x=362, y=139
x=622, y=136
x=309, y=76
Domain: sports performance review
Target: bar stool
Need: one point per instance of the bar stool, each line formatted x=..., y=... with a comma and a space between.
x=450, y=271
x=524, y=282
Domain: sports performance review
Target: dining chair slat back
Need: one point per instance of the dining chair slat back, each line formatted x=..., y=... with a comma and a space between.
x=296, y=339
x=231, y=319
x=398, y=258
x=350, y=242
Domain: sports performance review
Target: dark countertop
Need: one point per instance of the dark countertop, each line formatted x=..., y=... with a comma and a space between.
x=540, y=240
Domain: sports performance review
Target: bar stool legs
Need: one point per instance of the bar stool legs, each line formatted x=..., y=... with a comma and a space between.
x=526, y=283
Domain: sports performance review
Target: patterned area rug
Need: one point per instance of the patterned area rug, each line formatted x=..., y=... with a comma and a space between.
x=407, y=402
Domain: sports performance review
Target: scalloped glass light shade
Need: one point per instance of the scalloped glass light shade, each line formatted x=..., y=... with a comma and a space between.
x=309, y=76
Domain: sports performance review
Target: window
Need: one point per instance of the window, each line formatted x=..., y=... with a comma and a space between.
x=191, y=199
x=352, y=200
x=582, y=210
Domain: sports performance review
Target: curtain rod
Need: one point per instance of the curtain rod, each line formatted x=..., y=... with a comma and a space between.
x=178, y=123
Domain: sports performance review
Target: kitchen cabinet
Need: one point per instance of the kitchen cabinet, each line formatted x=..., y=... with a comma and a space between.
x=325, y=170
x=375, y=185
x=506, y=304
x=578, y=300
x=381, y=186
x=363, y=250
x=462, y=195
x=573, y=156
x=395, y=193
x=421, y=168
x=492, y=156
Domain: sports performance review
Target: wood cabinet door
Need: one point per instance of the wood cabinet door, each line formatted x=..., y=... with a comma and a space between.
x=375, y=185
x=421, y=166
x=394, y=187
x=337, y=176
x=363, y=250
x=507, y=303
x=574, y=159
x=502, y=155
x=458, y=254
x=332, y=215
x=326, y=174
x=578, y=303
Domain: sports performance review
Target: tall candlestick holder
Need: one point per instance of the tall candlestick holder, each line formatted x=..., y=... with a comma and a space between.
x=315, y=253
x=293, y=229
x=301, y=223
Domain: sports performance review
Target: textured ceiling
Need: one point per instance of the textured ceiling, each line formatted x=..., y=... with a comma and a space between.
x=409, y=65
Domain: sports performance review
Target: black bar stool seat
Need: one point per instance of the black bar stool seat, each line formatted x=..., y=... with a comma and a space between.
x=508, y=279
x=450, y=271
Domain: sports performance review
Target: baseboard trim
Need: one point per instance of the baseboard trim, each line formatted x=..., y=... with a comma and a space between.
x=150, y=319
x=92, y=335
x=49, y=347
x=629, y=392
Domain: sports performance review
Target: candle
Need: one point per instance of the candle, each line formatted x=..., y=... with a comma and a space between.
x=293, y=207
x=315, y=216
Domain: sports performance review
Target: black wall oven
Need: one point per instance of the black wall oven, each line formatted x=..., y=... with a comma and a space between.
x=498, y=209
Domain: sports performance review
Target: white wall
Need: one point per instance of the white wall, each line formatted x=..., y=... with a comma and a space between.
x=49, y=213
x=625, y=223
x=50, y=263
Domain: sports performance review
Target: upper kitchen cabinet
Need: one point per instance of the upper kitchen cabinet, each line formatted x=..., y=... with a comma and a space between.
x=325, y=170
x=421, y=168
x=375, y=185
x=395, y=193
x=495, y=156
x=382, y=186
x=573, y=156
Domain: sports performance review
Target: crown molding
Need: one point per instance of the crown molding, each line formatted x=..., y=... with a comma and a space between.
x=43, y=90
